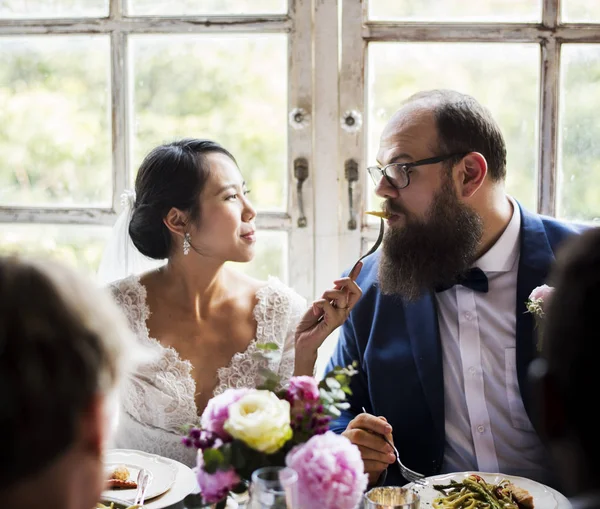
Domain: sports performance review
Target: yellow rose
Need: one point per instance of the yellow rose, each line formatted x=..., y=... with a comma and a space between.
x=261, y=420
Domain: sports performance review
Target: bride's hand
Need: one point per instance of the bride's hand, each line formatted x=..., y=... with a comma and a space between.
x=334, y=307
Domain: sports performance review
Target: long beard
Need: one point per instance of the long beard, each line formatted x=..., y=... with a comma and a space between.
x=421, y=255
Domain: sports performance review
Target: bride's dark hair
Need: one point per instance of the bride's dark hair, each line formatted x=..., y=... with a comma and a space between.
x=171, y=175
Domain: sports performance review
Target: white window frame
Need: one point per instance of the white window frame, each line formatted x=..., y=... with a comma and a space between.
x=296, y=23
x=358, y=32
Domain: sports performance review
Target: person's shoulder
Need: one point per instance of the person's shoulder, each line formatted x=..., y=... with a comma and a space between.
x=556, y=230
x=274, y=288
x=125, y=286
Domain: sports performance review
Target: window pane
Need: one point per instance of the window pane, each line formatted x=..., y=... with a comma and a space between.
x=578, y=185
x=270, y=258
x=53, y=8
x=580, y=10
x=465, y=67
x=231, y=89
x=55, y=136
x=208, y=7
x=77, y=245
x=456, y=10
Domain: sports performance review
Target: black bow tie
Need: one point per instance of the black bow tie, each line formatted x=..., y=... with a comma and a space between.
x=474, y=278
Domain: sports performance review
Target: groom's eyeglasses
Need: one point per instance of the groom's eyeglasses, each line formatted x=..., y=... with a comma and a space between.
x=398, y=174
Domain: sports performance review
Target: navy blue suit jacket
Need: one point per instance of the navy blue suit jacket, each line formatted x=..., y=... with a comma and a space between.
x=398, y=349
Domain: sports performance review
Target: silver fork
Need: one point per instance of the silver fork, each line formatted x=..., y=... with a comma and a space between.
x=370, y=251
x=373, y=247
x=144, y=479
x=407, y=473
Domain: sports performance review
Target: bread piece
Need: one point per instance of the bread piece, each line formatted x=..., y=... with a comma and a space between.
x=118, y=484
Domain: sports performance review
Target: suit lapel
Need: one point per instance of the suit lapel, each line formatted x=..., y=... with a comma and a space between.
x=422, y=327
x=535, y=260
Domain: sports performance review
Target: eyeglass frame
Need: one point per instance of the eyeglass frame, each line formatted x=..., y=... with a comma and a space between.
x=406, y=167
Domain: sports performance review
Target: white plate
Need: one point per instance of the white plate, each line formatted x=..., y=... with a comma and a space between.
x=164, y=472
x=542, y=495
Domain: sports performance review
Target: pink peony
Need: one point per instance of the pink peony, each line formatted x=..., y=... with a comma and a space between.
x=303, y=388
x=330, y=472
x=542, y=293
x=217, y=411
x=215, y=487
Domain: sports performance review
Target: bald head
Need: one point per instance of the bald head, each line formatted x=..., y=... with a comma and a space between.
x=451, y=123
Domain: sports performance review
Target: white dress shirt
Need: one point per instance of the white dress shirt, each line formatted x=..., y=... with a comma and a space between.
x=487, y=428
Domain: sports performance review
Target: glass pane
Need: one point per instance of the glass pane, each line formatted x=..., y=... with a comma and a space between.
x=208, y=7
x=465, y=67
x=55, y=132
x=573, y=11
x=53, y=8
x=456, y=10
x=270, y=258
x=77, y=245
x=232, y=89
x=578, y=186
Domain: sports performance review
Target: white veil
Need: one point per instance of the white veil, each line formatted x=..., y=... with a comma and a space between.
x=120, y=257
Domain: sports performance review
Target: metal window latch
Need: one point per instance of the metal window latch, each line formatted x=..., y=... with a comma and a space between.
x=300, y=174
x=351, y=173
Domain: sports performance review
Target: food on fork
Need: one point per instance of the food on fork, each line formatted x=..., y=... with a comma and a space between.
x=474, y=492
x=377, y=213
x=119, y=479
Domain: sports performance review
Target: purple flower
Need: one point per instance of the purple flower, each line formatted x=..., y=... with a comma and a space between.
x=215, y=487
x=303, y=388
x=217, y=411
x=330, y=472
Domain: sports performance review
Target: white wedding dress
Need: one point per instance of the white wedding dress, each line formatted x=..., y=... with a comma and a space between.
x=159, y=400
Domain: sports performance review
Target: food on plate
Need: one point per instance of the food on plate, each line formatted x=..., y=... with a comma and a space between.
x=475, y=493
x=119, y=479
x=377, y=213
x=121, y=473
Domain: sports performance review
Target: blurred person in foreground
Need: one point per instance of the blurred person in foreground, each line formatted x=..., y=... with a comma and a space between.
x=441, y=331
x=567, y=373
x=64, y=348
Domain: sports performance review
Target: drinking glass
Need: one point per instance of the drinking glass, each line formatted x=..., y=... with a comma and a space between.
x=274, y=488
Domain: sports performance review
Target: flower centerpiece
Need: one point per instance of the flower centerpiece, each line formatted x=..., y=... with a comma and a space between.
x=537, y=304
x=242, y=430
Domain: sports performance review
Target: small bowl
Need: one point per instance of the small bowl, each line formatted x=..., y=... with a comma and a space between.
x=391, y=497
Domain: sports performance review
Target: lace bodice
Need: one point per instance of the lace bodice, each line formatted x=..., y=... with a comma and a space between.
x=159, y=400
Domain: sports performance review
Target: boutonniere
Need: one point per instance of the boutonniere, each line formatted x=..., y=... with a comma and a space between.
x=537, y=305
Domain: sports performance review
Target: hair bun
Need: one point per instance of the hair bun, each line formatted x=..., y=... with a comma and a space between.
x=148, y=233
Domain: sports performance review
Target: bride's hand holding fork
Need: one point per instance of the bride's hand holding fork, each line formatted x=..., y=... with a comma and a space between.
x=322, y=318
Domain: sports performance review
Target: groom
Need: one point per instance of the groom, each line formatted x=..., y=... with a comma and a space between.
x=441, y=333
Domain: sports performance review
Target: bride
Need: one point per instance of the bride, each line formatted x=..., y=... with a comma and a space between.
x=204, y=320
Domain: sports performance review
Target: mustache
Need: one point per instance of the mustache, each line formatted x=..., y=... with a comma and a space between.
x=390, y=208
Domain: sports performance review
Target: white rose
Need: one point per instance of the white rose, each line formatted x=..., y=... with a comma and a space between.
x=261, y=420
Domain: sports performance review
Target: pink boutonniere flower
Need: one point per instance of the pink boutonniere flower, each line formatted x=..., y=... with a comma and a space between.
x=537, y=305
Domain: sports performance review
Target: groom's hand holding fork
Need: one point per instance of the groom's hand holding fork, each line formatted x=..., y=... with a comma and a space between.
x=377, y=455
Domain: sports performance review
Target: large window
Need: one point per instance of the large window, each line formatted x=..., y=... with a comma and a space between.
x=87, y=87
x=534, y=63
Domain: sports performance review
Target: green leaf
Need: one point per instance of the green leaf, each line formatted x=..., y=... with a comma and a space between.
x=213, y=460
x=267, y=346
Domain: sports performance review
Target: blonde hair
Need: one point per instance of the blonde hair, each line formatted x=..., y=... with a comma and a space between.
x=63, y=341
